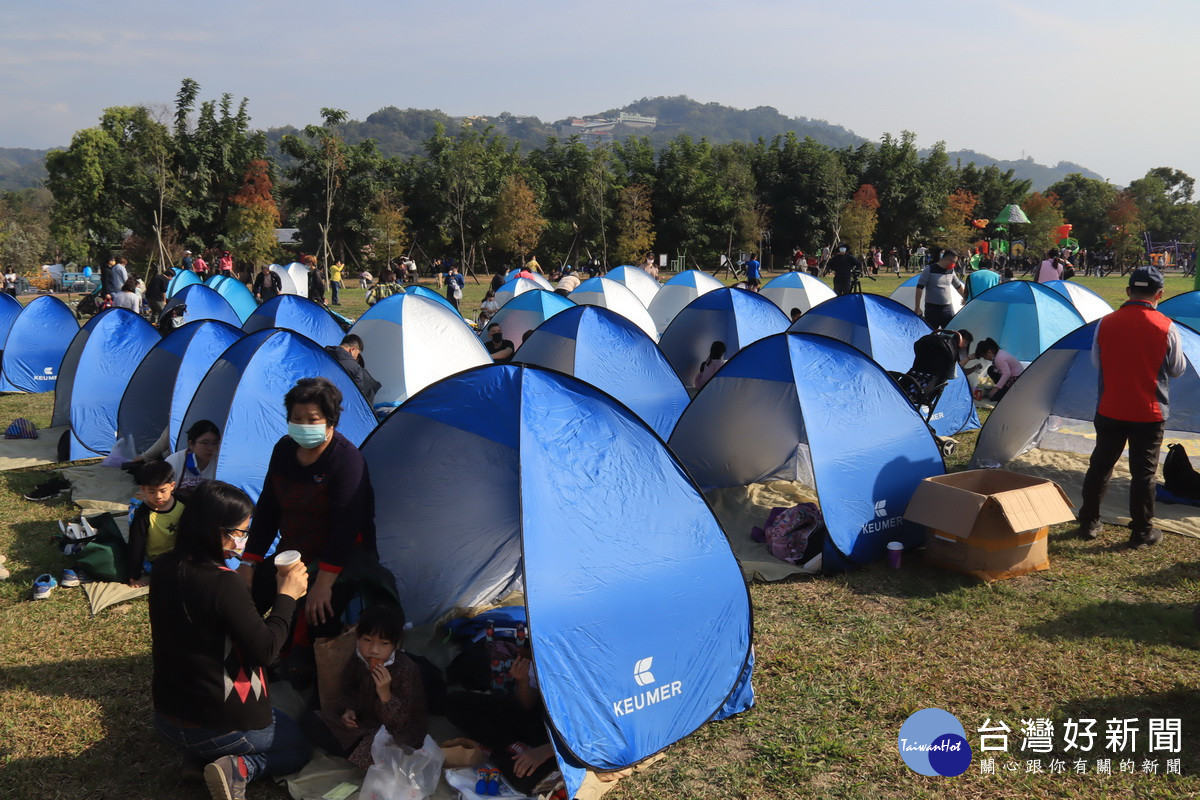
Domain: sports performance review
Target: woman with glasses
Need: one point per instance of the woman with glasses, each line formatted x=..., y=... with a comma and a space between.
x=211, y=648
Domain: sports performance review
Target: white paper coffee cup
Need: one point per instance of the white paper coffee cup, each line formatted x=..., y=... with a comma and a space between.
x=287, y=558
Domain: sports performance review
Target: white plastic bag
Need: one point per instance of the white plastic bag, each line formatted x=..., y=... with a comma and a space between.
x=124, y=450
x=400, y=773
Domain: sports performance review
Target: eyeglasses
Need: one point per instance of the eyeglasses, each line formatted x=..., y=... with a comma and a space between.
x=242, y=531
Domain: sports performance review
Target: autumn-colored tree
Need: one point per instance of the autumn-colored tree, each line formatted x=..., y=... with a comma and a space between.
x=388, y=227
x=518, y=221
x=860, y=217
x=635, y=231
x=1045, y=218
x=951, y=228
x=1125, y=231
x=254, y=218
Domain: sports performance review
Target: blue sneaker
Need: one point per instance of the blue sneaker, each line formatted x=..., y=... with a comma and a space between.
x=69, y=579
x=42, y=586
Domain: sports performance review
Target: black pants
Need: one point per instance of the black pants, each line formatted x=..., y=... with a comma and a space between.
x=264, y=590
x=1000, y=391
x=938, y=316
x=1145, y=441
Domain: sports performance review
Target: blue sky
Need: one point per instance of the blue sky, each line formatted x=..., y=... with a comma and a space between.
x=1104, y=84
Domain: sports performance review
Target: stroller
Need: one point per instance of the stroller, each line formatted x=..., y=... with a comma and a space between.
x=89, y=304
x=934, y=364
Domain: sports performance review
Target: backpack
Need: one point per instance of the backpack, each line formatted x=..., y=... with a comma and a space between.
x=795, y=535
x=1179, y=476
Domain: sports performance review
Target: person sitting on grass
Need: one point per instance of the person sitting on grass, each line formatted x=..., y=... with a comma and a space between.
x=1005, y=368
x=152, y=524
x=380, y=685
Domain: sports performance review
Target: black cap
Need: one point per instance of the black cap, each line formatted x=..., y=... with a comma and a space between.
x=1146, y=278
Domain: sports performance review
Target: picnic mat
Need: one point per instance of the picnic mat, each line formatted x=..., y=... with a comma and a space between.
x=17, y=453
x=742, y=508
x=95, y=488
x=1068, y=469
x=101, y=594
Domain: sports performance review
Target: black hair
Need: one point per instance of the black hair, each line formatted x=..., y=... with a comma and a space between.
x=795, y=312
x=491, y=325
x=155, y=473
x=967, y=338
x=985, y=345
x=213, y=509
x=321, y=392
x=129, y=285
x=201, y=427
x=385, y=621
x=353, y=340
x=717, y=350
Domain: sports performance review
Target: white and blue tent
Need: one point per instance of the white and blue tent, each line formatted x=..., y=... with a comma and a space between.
x=200, y=303
x=885, y=331
x=180, y=280
x=1053, y=404
x=736, y=317
x=602, y=348
x=676, y=293
x=1022, y=316
x=639, y=618
x=807, y=408
x=514, y=287
x=93, y=376
x=527, y=311
x=430, y=294
x=537, y=278
x=1089, y=304
x=906, y=294
x=10, y=309
x=1183, y=308
x=298, y=314
x=163, y=384
x=293, y=278
x=235, y=293
x=796, y=290
x=34, y=346
x=636, y=280
x=242, y=394
x=615, y=297
x=410, y=342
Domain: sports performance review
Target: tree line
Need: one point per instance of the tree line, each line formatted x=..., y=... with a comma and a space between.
x=151, y=182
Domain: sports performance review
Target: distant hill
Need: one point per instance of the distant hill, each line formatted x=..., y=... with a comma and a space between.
x=400, y=132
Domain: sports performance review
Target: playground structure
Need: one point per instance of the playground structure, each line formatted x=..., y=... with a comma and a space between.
x=1172, y=254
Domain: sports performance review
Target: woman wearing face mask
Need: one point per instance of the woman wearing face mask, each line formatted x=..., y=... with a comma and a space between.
x=317, y=495
x=207, y=635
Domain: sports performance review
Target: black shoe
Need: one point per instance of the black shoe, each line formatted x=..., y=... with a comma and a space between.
x=1090, y=530
x=1145, y=538
x=55, y=487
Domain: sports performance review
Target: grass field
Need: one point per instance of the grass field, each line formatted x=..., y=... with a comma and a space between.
x=1106, y=633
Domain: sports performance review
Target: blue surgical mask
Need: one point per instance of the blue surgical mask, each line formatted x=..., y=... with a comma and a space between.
x=307, y=436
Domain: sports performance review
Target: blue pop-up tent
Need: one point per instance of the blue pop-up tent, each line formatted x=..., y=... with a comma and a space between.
x=640, y=622
x=615, y=297
x=35, y=344
x=235, y=293
x=796, y=290
x=297, y=314
x=885, y=330
x=527, y=311
x=733, y=316
x=243, y=395
x=94, y=373
x=513, y=287
x=1089, y=304
x=1022, y=316
x=636, y=280
x=200, y=303
x=1183, y=308
x=409, y=342
x=604, y=349
x=10, y=309
x=162, y=386
x=181, y=280
x=807, y=408
x=676, y=293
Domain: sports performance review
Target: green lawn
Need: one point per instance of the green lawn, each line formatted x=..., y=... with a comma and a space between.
x=1106, y=633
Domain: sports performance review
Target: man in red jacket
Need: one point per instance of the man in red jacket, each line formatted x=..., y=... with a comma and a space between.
x=1137, y=350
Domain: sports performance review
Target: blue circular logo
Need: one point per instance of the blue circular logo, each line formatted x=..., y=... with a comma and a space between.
x=933, y=742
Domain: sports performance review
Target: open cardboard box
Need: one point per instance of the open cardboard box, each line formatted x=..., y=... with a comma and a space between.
x=988, y=523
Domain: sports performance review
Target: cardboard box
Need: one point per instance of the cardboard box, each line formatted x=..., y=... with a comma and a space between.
x=989, y=523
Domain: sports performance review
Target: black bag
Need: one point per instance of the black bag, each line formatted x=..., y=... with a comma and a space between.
x=1179, y=476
